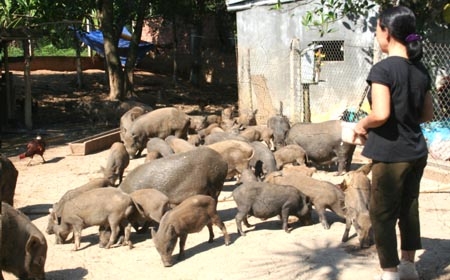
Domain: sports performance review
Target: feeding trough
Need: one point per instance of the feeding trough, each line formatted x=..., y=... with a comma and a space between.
x=95, y=143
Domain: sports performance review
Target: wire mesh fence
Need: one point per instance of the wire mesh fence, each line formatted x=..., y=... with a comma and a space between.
x=346, y=84
x=437, y=60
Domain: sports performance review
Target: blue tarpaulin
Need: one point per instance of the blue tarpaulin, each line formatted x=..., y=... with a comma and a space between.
x=438, y=138
x=94, y=39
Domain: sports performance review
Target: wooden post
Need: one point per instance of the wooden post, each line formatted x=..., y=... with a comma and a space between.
x=295, y=78
x=10, y=96
x=78, y=62
x=27, y=82
x=306, y=104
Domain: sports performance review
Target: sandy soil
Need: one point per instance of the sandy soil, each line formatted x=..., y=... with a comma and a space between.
x=267, y=252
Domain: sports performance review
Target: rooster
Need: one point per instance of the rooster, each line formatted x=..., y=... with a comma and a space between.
x=34, y=147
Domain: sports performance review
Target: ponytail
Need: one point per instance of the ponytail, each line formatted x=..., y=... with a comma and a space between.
x=413, y=43
x=401, y=23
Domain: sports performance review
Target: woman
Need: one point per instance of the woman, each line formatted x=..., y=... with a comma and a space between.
x=400, y=100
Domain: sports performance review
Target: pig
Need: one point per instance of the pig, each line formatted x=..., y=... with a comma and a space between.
x=248, y=176
x=228, y=113
x=197, y=123
x=323, y=143
x=190, y=216
x=356, y=187
x=156, y=148
x=213, y=118
x=222, y=136
x=247, y=117
x=323, y=194
x=91, y=208
x=157, y=123
x=55, y=212
x=302, y=169
x=265, y=200
x=292, y=153
x=228, y=119
x=236, y=153
x=263, y=161
x=8, y=180
x=23, y=247
x=195, y=140
x=118, y=160
x=154, y=205
x=280, y=126
x=199, y=171
x=128, y=118
x=258, y=133
x=178, y=145
x=202, y=133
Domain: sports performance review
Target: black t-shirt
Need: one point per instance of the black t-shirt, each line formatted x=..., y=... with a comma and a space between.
x=400, y=138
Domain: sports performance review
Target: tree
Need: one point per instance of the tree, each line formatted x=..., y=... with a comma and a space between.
x=113, y=15
x=326, y=12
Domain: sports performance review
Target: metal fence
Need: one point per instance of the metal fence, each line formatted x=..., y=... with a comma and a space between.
x=345, y=85
x=437, y=60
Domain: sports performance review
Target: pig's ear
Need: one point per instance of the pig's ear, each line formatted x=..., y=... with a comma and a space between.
x=32, y=244
x=342, y=186
x=153, y=231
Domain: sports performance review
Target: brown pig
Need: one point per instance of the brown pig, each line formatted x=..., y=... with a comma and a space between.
x=258, y=133
x=266, y=200
x=128, y=118
x=356, y=187
x=303, y=169
x=118, y=160
x=190, y=216
x=323, y=194
x=157, y=148
x=55, y=212
x=160, y=123
x=178, y=145
x=236, y=153
x=154, y=205
x=91, y=208
x=23, y=248
x=290, y=154
x=8, y=180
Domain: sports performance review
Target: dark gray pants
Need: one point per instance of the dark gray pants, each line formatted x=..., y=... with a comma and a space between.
x=395, y=196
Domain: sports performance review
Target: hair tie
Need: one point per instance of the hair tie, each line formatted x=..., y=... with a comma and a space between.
x=413, y=37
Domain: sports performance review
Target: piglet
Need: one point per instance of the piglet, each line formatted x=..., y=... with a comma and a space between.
x=23, y=248
x=292, y=153
x=106, y=207
x=118, y=160
x=189, y=216
x=154, y=205
x=323, y=194
x=264, y=200
x=356, y=187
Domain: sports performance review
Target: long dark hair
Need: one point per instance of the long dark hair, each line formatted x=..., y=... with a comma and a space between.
x=401, y=24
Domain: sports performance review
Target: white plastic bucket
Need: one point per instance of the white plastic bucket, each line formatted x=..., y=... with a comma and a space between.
x=349, y=136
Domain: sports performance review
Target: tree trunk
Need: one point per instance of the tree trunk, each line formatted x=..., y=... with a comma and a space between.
x=134, y=47
x=174, y=51
x=196, y=42
x=111, y=38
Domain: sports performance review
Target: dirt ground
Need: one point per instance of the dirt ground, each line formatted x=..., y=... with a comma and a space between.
x=267, y=252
